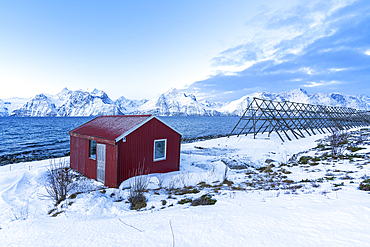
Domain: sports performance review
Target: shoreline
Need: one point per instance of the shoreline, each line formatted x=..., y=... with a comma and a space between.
x=13, y=159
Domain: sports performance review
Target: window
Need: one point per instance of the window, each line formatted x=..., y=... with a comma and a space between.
x=160, y=149
x=92, y=152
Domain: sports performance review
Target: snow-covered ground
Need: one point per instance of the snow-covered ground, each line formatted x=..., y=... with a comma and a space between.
x=276, y=199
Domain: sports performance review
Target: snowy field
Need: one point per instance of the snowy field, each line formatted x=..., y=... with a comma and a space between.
x=275, y=194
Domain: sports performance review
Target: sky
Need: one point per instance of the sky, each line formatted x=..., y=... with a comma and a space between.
x=217, y=50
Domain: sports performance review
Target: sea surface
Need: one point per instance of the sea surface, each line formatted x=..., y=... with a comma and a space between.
x=36, y=138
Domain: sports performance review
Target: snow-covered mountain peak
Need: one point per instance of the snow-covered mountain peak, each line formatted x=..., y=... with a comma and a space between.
x=97, y=92
x=175, y=103
x=63, y=95
x=39, y=106
x=128, y=106
x=296, y=95
x=68, y=103
x=171, y=103
x=40, y=96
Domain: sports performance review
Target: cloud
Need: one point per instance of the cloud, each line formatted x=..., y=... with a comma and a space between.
x=313, y=45
x=321, y=83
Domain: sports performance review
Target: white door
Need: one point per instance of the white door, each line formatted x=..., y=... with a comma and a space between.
x=100, y=157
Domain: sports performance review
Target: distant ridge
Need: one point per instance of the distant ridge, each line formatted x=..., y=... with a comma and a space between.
x=174, y=102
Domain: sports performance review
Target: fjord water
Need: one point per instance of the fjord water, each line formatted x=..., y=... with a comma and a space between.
x=36, y=138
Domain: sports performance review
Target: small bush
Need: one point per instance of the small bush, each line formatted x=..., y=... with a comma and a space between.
x=59, y=182
x=185, y=200
x=315, y=159
x=186, y=191
x=237, y=188
x=204, y=185
x=161, y=178
x=337, y=185
x=285, y=171
x=320, y=146
x=354, y=149
x=228, y=182
x=304, y=160
x=338, y=141
x=138, y=186
x=137, y=202
x=20, y=212
x=306, y=180
x=365, y=185
x=204, y=200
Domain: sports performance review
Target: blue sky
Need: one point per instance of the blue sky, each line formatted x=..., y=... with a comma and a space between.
x=218, y=50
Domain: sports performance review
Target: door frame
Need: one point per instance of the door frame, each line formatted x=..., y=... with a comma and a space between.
x=100, y=162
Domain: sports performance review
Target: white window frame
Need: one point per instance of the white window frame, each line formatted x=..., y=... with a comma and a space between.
x=165, y=150
x=93, y=157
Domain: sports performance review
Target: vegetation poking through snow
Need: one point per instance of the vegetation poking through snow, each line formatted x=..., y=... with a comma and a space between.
x=186, y=190
x=338, y=141
x=365, y=185
x=138, y=201
x=317, y=170
x=354, y=149
x=138, y=186
x=20, y=212
x=60, y=181
x=259, y=178
x=242, y=175
x=185, y=200
x=204, y=200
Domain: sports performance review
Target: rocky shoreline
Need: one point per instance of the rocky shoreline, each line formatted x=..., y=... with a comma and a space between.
x=13, y=159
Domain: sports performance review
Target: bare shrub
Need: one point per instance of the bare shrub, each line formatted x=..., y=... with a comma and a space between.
x=338, y=141
x=173, y=183
x=224, y=179
x=138, y=186
x=189, y=176
x=60, y=181
x=20, y=212
x=211, y=171
x=181, y=178
x=161, y=178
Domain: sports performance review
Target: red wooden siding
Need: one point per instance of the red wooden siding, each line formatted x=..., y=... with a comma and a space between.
x=138, y=150
x=111, y=158
x=80, y=161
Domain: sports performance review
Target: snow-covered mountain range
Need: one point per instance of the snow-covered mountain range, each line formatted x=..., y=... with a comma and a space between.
x=172, y=103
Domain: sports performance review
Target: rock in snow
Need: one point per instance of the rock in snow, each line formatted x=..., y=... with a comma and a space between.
x=172, y=103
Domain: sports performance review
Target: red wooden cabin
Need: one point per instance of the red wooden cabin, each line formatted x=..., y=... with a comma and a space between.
x=112, y=149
